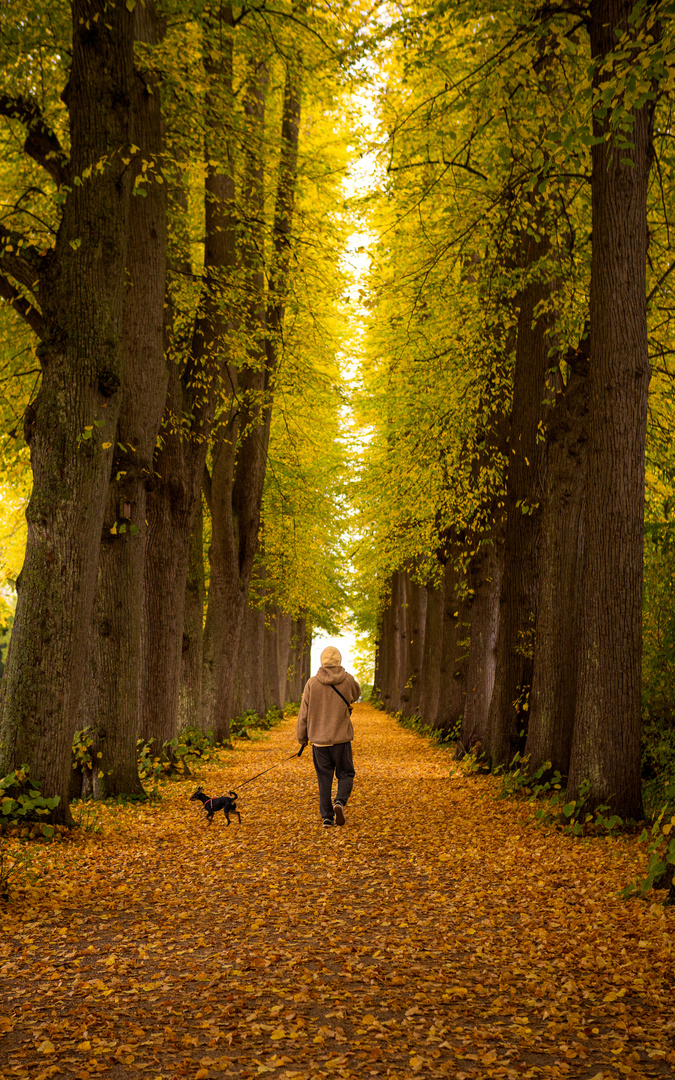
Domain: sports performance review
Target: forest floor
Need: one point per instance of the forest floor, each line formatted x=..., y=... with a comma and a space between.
x=440, y=933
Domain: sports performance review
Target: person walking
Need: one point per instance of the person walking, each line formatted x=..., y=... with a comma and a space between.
x=325, y=720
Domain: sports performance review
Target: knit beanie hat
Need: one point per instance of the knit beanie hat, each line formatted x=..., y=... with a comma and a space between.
x=330, y=657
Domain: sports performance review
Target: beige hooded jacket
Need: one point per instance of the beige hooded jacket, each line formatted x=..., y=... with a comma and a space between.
x=324, y=718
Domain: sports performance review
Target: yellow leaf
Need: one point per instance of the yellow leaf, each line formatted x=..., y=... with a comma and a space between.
x=86, y=1045
x=46, y=1047
x=277, y=1034
x=369, y=1019
x=106, y=445
x=201, y=1074
x=416, y=1063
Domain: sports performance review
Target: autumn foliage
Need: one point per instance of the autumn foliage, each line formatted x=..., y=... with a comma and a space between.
x=440, y=933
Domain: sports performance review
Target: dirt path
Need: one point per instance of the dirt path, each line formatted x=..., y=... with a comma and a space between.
x=438, y=934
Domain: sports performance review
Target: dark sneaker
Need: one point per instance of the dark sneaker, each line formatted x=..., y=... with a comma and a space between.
x=328, y=823
x=339, y=813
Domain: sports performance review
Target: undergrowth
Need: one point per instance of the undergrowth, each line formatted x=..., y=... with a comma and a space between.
x=446, y=739
x=23, y=804
x=242, y=727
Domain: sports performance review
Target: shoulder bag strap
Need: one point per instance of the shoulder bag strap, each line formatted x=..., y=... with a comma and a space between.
x=347, y=703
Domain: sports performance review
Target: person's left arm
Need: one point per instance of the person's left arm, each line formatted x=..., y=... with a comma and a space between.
x=301, y=727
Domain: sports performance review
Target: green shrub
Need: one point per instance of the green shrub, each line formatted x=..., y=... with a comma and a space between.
x=21, y=801
x=250, y=721
x=197, y=743
x=660, y=840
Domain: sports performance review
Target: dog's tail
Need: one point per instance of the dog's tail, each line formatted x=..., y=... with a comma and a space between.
x=233, y=795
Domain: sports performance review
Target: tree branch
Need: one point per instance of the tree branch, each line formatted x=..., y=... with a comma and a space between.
x=23, y=306
x=42, y=143
x=660, y=282
x=436, y=161
x=18, y=258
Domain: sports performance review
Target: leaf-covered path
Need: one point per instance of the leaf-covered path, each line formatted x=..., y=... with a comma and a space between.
x=437, y=934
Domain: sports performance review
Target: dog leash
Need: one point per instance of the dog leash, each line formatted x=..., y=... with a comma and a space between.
x=275, y=766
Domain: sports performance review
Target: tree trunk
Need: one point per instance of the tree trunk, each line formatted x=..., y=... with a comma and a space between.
x=400, y=643
x=606, y=744
x=239, y=470
x=433, y=653
x=556, y=652
x=111, y=694
x=71, y=426
x=181, y=457
x=249, y=694
x=416, y=605
x=271, y=674
x=283, y=636
x=388, y=648
x=454, y=652
x=524, y=491
x=190, y=699
x=295, y=684
x=307, y=656
x=485, y=587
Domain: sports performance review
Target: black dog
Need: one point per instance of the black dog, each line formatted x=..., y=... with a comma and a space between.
x=226, y=803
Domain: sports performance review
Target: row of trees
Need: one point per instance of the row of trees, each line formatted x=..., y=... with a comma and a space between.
x=169, y=255
x=521, y=291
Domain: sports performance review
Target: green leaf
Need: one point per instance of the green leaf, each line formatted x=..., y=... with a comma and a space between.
x=47, y=830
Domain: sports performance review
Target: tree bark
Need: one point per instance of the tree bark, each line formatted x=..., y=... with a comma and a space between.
x=416, y=607
x=433, y=653
x=181, y=457
x=307, y=655
x=283, y=636
x=190, y=699
x=240, y=458
x=556, y=652
x=524, y=491
x=454, y=652
x=271, y=673
x=389, y=646
x=485, y=586
x=295, y=683
x=249, y=694
x=399, y=644
x=606, y=744
x=75, y=413
x=111, y=695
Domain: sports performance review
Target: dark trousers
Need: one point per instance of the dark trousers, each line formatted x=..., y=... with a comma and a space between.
x=329, y=761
